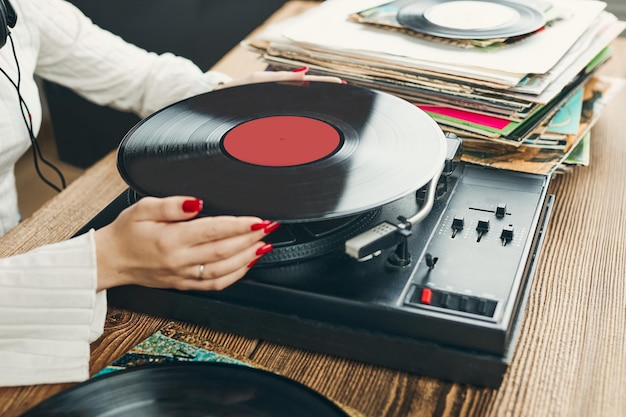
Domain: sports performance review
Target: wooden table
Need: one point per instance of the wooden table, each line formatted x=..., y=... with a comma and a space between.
x=571, y=356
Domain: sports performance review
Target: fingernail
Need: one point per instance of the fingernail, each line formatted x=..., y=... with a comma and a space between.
x=260, y=225
x=271, y=227
x=264, y=249
x=301, y=69
x=192, y=206
x=344, y=82
x=251, y=264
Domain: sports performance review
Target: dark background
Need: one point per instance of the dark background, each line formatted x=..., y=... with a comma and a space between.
x=202, y=30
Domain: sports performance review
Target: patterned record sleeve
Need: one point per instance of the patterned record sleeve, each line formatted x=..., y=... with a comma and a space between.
x=174, y=344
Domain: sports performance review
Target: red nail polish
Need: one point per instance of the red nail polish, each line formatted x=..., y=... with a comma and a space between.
x=301, y=69
x=251, y=264
x=344, y=82
x=260, y=225
x=264, y=249
x=271, y=227
x=192, y=206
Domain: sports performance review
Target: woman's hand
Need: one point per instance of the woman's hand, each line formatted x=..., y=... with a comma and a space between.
x=299, y=74
x=158, y=243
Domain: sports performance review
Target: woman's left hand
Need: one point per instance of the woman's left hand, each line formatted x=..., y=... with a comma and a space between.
x=275, y=76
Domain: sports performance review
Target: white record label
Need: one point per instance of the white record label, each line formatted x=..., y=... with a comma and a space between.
x=471, y=15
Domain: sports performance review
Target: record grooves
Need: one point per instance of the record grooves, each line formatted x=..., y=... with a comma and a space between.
x=293, y=152
x=188, y=389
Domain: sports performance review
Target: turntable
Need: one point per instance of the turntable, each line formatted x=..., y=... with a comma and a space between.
x=391, y=251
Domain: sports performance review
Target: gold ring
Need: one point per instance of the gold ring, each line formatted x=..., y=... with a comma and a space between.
x=200, y=272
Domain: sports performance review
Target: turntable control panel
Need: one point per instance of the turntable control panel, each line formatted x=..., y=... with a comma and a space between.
x=475, y=260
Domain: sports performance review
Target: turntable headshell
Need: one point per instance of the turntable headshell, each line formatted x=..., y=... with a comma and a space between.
x=384, y=235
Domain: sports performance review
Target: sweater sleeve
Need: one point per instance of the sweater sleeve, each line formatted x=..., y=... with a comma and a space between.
x=49, y=313
x=105, y=69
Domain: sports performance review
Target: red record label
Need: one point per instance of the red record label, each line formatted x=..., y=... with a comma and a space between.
x=281, y=141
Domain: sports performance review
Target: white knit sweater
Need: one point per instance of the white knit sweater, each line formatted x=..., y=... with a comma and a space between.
x=49, y=309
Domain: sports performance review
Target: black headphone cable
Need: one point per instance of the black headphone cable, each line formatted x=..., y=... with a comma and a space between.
x=26, y=116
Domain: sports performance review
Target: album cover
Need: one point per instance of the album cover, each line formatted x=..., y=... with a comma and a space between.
x=545, y=160
x=415, y=85
x=581, y=154
x=174, y=343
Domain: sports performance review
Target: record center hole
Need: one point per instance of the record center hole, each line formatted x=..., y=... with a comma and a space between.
x=282, y=141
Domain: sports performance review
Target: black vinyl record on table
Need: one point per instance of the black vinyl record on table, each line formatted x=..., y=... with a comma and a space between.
x=188, y=389
x=293, y=152
x=471, y=19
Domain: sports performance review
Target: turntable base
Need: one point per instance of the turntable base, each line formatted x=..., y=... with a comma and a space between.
x=452, y=313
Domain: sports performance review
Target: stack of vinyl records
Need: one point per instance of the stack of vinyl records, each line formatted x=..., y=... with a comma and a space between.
x=518, y=81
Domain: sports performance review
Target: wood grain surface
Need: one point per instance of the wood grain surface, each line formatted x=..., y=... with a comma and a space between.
x=571, y=355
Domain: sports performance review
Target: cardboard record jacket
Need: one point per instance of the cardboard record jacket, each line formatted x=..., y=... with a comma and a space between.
x=285, y=151
x=471, y=19
x=188, y=389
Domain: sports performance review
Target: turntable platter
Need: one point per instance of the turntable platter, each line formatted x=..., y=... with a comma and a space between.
x=292, y=152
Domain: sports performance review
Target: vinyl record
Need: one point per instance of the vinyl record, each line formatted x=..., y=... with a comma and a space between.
x=188, y=389
x=471, y=19
x=285, y=151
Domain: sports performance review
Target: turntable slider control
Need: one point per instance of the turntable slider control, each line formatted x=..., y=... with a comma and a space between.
x=482, y=228
x=372, y=241
x=507, y=234
x=457, y=224
x=501, y=211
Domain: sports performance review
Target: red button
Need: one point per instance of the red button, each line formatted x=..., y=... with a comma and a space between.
x=427, y=295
